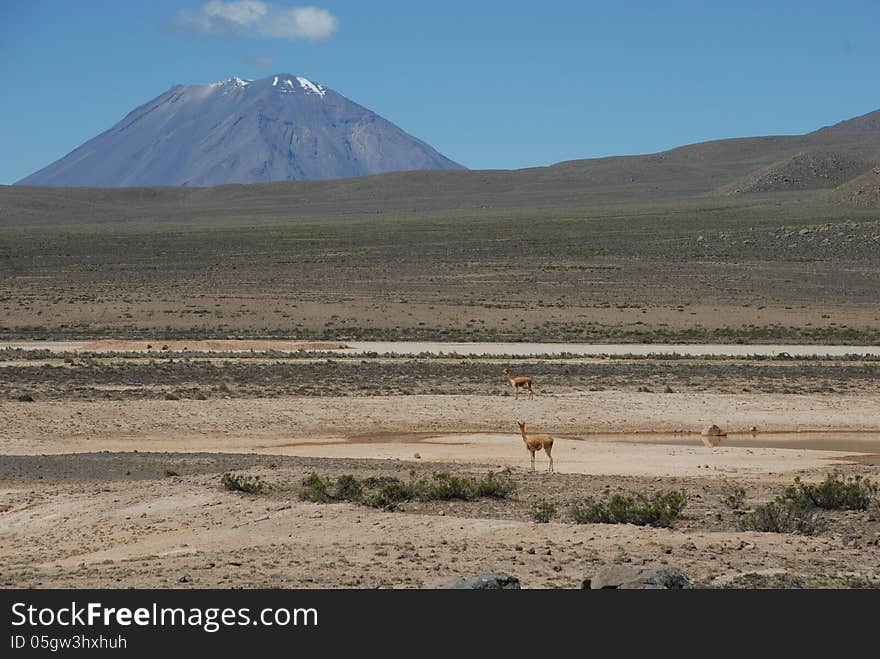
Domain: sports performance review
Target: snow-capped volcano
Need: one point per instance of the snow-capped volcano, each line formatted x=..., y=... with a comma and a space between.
x=282, y=127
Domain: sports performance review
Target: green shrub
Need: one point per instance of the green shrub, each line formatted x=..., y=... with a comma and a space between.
x=316, y=489
x=735, y=499
x=348, y=488
x=444, y=486
x=836, y=492
x=780, y=516
x=591, y=511
x=388, y=491
x=657, y=509
x=791, y=512
x=494, y=486
x=374, y=482
x=543, y=511
x=247, y=484
x=392, y=493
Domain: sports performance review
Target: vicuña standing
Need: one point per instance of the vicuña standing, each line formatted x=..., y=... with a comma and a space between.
x=536, y=443
x=517, y=382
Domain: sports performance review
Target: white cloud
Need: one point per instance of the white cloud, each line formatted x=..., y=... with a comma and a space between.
x=244, y=12
x=254, y=18
x=302, y=23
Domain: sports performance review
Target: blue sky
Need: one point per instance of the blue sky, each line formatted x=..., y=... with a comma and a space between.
x=489, y=84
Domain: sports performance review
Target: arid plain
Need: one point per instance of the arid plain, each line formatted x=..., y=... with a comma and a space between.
x=153, y=340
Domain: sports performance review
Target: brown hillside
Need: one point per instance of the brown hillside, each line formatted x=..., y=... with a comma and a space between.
x=863, y=191
x=807, y=170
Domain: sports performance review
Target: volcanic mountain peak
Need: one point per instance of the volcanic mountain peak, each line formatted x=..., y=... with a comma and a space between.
x=282, y=127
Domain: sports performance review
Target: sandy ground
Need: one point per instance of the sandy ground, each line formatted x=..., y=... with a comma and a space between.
x=594, y=349
x=586, y=457
x=92, y=495
x=209, y=345
x=437, y=347
x=273, y=425
x=185, y=531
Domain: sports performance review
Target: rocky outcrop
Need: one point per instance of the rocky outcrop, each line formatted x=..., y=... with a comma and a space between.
x=630, y=578
x=804, y=171
x=713, y=431
x=862, y=191
x=489, y=581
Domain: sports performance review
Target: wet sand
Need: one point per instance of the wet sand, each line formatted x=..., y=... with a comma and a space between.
x=581, y=414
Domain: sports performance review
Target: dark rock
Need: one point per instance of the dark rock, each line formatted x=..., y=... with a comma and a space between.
x=713, y=431
x=489, y=581
x=613, y=577
x=667, y=577
x=629, y=578
x=638, y=585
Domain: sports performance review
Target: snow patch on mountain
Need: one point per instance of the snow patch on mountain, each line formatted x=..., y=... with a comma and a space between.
x=310, y=87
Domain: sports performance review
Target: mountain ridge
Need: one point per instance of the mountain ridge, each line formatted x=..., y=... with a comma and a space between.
x=703, y=169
